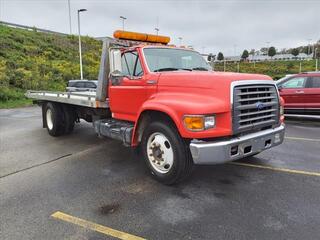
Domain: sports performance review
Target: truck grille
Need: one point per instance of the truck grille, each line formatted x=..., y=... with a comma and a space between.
x=255, y=107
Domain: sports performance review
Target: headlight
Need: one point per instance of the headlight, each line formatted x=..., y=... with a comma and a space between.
x=198, y=122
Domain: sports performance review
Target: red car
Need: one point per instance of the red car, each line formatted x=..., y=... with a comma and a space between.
x=301, y=93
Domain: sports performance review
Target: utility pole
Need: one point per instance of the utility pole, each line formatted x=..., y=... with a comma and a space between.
x=315, y=55
x=300, y=68
x=157, y=26
x=80, y=56
x=309, y=46
x=70, y=27
x=123, y=19
x=268, y=46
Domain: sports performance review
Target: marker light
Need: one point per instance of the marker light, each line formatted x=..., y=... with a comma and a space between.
x=198, y=123
x=144, y=37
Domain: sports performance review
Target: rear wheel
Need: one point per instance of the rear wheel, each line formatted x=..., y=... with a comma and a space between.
x=167, y=155
x=54, y=119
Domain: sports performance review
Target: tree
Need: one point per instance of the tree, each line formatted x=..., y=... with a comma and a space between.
x=252, y=52
x=295, y=52
x=264, y=50
x=307, y=49
x=211, y=57
x=220, y=56
x=245, y=54
x=272, y=51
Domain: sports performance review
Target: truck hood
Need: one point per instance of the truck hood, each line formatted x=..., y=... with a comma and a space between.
x=207, y=80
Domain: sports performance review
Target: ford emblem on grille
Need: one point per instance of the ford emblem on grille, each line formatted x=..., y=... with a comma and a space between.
x=260, y=106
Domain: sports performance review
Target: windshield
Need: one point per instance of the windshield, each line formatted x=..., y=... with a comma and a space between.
x=167, y=59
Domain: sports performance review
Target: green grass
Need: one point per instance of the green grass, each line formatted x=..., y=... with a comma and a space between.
x=16, y=103
x=41, y=61
x=275, y=69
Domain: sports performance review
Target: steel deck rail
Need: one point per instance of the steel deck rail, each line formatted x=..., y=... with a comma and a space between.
x=86, y=99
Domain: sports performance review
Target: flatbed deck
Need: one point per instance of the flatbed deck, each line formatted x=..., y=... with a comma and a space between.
x=85, y=99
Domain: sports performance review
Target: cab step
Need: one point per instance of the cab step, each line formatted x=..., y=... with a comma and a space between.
x=115, y=129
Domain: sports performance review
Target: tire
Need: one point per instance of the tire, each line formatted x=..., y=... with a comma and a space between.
x=69, y=118
x=166, y=154
x=53, y=116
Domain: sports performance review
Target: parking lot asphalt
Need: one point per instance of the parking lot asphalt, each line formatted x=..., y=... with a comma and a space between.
x=83, y=187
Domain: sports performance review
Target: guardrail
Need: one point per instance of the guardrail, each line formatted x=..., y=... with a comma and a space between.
x=31, y=28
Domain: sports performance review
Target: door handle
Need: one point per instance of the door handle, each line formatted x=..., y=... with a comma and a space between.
x=299, y=91
x=151, y=82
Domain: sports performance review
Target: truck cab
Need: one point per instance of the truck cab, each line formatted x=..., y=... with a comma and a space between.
x=168, y=103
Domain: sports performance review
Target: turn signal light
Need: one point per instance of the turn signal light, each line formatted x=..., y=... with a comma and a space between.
x=198, y=123
x=194, y=123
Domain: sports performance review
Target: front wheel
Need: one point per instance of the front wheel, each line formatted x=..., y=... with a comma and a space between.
x=167, y=155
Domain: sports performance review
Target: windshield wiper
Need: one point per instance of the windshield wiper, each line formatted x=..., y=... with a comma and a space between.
x=200, y=69
x=171, y=69
x=166, y=69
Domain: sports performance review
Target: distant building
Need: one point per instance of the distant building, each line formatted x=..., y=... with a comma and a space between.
x=232, y=58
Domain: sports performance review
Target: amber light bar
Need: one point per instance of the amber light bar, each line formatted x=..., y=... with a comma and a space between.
x=143, y=37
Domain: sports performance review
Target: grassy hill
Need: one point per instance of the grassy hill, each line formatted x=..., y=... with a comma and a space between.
x=35, y=60
x=275, y=69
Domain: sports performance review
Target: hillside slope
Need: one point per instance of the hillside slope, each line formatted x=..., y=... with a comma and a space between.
x=35, y=60
x=275, y=69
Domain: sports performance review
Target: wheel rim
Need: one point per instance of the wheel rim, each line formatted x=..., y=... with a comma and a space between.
x=160, y=152
x=49, y=119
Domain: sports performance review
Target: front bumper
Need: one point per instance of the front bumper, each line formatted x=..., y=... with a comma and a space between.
x=235, y=148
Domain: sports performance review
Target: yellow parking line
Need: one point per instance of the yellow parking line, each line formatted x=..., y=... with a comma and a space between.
x=303, y=139
x=317, y=174
x=95, y=227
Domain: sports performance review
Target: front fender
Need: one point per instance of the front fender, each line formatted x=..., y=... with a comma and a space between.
x=176, y=105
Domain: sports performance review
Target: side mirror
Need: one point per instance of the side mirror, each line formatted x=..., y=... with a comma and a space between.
x=280, y=88
x=117, y=73
x=116, y=77
x=115, y=60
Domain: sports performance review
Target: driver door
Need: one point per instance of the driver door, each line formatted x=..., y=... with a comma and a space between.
x=293, y=93
x=127, y=95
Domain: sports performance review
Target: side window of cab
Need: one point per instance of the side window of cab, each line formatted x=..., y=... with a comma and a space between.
x=131, y=65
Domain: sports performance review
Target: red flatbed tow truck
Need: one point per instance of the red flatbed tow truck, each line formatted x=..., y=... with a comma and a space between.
x=168, y=102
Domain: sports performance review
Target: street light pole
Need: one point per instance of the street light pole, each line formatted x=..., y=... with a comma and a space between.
x=309, y=47
x=268, y=46
x=123, y=18
x=70, y=28
x=0, y=10
x=315, y=55
x=80, y=56
x=157, y=30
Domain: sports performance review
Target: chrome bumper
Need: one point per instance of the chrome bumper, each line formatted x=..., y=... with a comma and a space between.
x=235, y=148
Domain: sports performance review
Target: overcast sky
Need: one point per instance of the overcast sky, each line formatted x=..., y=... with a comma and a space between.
x=226, y=26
